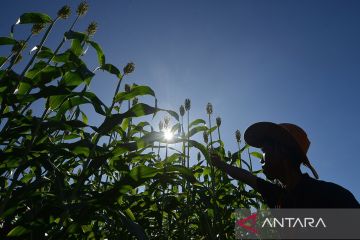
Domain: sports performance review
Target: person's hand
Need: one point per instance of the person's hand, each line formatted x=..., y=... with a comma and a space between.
x=216, y=160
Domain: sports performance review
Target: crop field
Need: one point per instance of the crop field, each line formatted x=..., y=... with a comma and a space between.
x=126, y=178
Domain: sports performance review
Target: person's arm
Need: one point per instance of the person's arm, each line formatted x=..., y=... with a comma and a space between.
x=269, y=191
x=235, y=172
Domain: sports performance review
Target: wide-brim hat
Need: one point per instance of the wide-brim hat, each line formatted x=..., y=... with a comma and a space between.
x=288, y=134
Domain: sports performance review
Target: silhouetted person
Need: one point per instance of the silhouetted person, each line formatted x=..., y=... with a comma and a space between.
x=285, y=146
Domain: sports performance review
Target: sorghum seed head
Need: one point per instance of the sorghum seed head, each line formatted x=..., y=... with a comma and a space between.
x=218, y=121
x=129, y=68
x=92, y=28
x=229, y=154
x=135, y=101
x=161, y=125
x=182, y=110
x=166, y=121
x=127, y=88
x=37, y=28
x=187, y=104
x=238, y=135
x=82, y=8
x=206, y=137
x=64, y=12
x=199, y=156
x=209, y=108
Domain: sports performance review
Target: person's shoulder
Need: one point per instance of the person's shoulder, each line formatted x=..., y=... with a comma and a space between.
x=334, y=194
x=329, y=186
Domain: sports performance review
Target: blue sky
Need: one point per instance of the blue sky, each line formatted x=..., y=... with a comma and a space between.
x=279, y=61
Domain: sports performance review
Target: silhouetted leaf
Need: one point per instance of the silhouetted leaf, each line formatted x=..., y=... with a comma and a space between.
x=7, y=41
x=124, y=148
x=142, y=172
x=200, y=147
x=137, y=110
x=133, y=227
x=184, y=171
x=2, y=60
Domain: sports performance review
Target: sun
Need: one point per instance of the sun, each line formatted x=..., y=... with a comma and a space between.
x=168, y=134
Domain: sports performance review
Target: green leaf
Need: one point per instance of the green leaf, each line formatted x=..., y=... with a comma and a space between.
x=211, y=130
x=197, y=129
x=149, y=138
x=39, y=74
x=124, y=148
x=71, y=79
x=63, y=57
x=141, y=172
x=100, y=53
x=38, y=67
x=76, y=47
x=55, y=101
x=51, y=91
x=200, y=147
x=63, y=125
x=76, y=99
x=98, y=105
x=130, y=214
x=111, y=69
x=138, y=110
x=34, y=18
x=70, y=103
x=2, y=60
x=76, y=35
x=84, y=117
x=81, y=150
x=173, y=158
x=134, y=92
x=257, y=155
x=184, y=171
x=196, y=122
x=45, y=53
x=7, y=41
x=175, y=128
x=17, y=231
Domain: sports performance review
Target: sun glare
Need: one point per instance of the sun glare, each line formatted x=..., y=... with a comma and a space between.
x=168, y=134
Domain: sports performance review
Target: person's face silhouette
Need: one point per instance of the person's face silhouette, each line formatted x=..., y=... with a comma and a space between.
x=273, y=159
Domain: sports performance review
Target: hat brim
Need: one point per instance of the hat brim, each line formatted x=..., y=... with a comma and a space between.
x=259, y=133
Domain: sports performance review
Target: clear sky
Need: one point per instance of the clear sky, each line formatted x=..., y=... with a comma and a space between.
x=280, y=61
